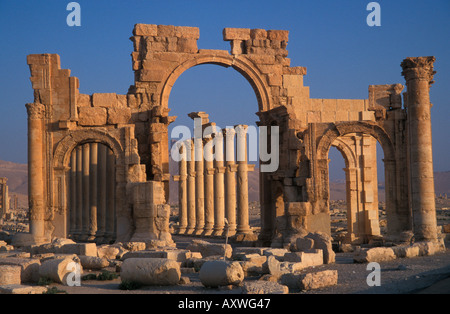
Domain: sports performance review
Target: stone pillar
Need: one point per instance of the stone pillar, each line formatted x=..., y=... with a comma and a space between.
x=182, y=191
x=243, y=226
x=85, y=192
x=418, y=73
x=36, y=184
x=230, y=180
x=101, y=198
x=93, y=183
x=79, y=194
x=73, y=192
x=111, y=225
x=209, y=186
x=199, y=188
x=219, y=199
x=190, y=189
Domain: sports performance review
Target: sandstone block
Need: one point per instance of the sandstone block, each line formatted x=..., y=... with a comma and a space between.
x=258, y=34
x=151, y=271
x=264, y=287
x=83, y=100
x=279, y=253
x=145, y=30
x=236, y=33
x=187, y=32
x=310, y=281
x=221, y=273
x=104, y=100
x=93, y=262
x=403, y=251
x=86, y=249
x=21, y=289
x=134, y=246
x=29, y=267
x=210, y=249
x=58, y=270
x=108, y=251
x=187, y=45
x=322, y=241
x=10, y=275
x=92, y=116
x=281, y=35
x=429, y=247
x=119, y=115
x=307, y=259
x=377, y=254
x=304, y=244
x=248, y=250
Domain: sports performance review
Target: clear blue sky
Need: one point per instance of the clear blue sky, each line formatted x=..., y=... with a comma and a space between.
x=331, y=38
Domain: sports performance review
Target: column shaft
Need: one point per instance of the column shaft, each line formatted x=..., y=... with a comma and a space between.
x=219, y=197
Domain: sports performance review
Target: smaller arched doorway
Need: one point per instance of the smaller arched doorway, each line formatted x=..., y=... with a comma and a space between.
x=91, y=193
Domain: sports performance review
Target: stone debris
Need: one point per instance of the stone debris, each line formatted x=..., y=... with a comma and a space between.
x=264, y=287
x=317, y=240
x=58, y=270
x=377, y=254
x=10, y=275
x=29, y=267
x=221, y=273
x=94, y=262
x=310, y=281
x=21, y=289
x=209, y=249
x=151, y=271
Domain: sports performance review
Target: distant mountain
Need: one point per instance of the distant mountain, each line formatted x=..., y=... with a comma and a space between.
x=17, y=175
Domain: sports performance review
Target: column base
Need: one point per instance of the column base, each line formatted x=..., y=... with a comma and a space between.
x=218, y=233
x=198, y=231
x=189, y=231
x=27, y=239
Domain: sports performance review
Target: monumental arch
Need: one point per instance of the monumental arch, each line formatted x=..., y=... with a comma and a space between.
x=99, y=164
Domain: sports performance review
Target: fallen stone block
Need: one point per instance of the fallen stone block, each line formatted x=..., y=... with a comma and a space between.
x=86, y=249
x=323, y=241
x=29, y=267
x=278, y=253
x=151, y=271
x=173, y=254
x=377, y=254
x=93, y=262
x=10, y=275
x=221, y=273
x=210, y=249
x=21, y=289
x=134, y=246
x=58, y=270
x=307, y=259
x=310, y=281
x=248, y=250
x=108, y=251
x=277, y=268
x=403, y=251
x=429, y=247
x=264, y=287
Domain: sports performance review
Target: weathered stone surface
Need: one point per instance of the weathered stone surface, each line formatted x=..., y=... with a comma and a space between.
x=210, y=249
x=93, y=262
x=307, y=259
x=264, y=287
x=377, y=254
x=58, y=269
x=236, y=33
x=29, y=267
x=119, y=115
x=86, y=249
x=172, y=254
x=145, y=30
x=151, y=271
x=221, y=273
x=429, y=247
x=323, y=242
x=21, y=289
x=407, y=251
x=104, y=100
x=108, y=251
x=10, y=275
x=310, y=281
x=91, y=116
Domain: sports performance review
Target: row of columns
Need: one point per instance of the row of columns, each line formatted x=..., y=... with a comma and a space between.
x=92, y=193
x=213, y=184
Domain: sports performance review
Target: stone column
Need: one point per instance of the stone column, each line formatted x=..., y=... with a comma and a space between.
x=418, y=73
x=101, y=198
x=191, y=189
x=230, y=180
x=209, y=186
x=85, y=191
x=182, y=191
x=219, y=199
x=93, y=184
x=199, y=188
x=79, y=193
x=111, y=183
x=36, y=184
x=73, y=192
x=243, y=226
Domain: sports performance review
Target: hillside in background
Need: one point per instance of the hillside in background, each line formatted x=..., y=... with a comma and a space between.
x=17, y=175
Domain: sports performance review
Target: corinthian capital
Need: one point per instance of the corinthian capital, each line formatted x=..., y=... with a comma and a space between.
x=35, y=110
x=420, y=68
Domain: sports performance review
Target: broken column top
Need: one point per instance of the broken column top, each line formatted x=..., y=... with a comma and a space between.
x=200, y=114
x=166, y=31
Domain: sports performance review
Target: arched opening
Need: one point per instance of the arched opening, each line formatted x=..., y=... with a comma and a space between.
x=218, y=94
x=354, y=192
x=91, y=193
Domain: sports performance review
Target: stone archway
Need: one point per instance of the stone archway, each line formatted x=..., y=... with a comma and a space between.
x=87, y=161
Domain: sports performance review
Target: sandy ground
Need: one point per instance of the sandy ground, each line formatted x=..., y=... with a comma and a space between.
x=428, y=274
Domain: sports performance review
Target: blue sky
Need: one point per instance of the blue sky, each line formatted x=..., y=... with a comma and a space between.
x=331, y=38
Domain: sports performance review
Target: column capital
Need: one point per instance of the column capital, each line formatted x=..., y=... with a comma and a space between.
x=229, y=131
x=418, y=68
x=35, y=110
